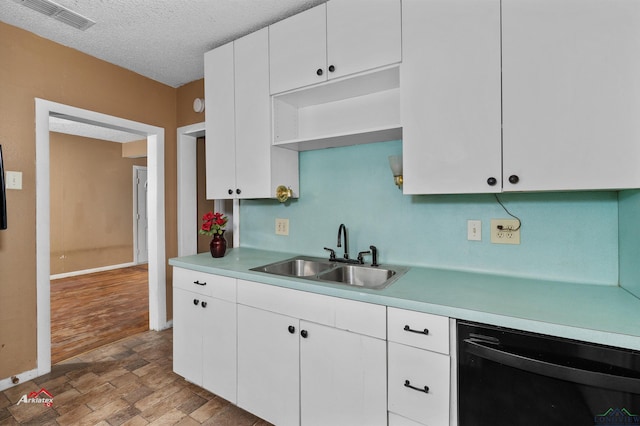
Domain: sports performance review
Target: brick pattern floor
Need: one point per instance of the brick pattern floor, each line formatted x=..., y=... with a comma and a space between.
x=129, y=382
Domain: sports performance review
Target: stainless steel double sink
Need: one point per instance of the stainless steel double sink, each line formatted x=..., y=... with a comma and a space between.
x=318, y=269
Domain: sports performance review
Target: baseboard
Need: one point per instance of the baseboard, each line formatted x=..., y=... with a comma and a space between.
x=90, y=271
x=168, y=324
x=22, y=377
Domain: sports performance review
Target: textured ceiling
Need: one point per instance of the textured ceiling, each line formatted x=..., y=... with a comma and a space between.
x=164, y=40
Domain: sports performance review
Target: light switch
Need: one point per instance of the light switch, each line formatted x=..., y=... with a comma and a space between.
x=13, y=180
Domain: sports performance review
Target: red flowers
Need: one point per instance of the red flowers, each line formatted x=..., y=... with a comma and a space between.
x=213, y=223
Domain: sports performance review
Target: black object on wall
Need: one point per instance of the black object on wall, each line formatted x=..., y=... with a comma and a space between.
x=3, y=196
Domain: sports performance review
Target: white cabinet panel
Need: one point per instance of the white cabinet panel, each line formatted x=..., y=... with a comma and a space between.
x=450, y=96
x=204, y=342
x=332, y=40
x=418, y=329
x=206, y=284
x=220, y=122
x=219, y=348
x=241, y=163
x=187, y=336
x=268, y=365
x=204, y=331
x=298, y=50
x=306, y=366
x=253, y=115
x=343, y=377
x=358, y=317
x=571, y=93
x=362, y=34
x=418, y=368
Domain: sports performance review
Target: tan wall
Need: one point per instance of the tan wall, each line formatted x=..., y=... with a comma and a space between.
x=34, y=67
x=186, y=95
x=91, y=203
x=135, y=149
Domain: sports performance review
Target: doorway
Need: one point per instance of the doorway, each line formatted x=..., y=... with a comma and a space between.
x=188, y=224
x=155, y=209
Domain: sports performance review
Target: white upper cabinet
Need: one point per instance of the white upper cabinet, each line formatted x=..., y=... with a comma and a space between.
x=332, y=40
x=362, y=35
x=241, y=163
x=564, y=116
x=450, y=96
x=298, y=50
x=571, y=94
x=220, y=122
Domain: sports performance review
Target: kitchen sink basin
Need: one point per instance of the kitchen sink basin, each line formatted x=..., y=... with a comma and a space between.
x=318, y=269
x=361, y=276
x=297, y=267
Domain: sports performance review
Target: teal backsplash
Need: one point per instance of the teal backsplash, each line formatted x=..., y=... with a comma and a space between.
x=569, y=236
x=629, y=237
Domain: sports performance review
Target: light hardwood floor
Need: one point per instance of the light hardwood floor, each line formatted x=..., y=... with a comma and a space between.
x=129, y=382
x=89, y=311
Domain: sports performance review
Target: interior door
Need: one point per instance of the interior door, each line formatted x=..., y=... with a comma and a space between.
x=141, y=222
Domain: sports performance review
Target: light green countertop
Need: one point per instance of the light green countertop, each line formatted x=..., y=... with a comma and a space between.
x=602, y=314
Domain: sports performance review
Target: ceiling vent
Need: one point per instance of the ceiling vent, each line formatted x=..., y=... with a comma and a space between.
x=60, y=13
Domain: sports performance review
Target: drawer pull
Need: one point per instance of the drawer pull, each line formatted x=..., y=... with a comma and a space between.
x=407, y=384
x=199, y=283
x=409, y=329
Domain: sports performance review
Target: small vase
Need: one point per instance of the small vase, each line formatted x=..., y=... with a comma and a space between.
x=218, y=245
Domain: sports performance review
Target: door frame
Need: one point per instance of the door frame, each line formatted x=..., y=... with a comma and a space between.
x=156, y=217
x=187, y=193
x=136, y=241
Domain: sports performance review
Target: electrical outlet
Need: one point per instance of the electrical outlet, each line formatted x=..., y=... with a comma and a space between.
x=505, y=231
x=282, y=226
x=474, y=230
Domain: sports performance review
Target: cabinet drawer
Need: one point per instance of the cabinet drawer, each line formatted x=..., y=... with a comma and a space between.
x=408, y=327
x=205, y=284
x=396, y=420
x=415, y=367
x=359, y=317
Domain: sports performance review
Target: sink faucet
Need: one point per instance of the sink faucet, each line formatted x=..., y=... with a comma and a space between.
x=343, y=230
x=374, y=256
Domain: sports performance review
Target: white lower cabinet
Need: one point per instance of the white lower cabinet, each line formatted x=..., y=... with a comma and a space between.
x=268, y=365
x=419, y=379
x=342, y=377
x=204, y=331
x=297, y=358
x=292, y=371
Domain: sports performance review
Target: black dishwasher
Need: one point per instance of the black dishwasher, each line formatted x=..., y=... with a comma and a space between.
x=511, y=377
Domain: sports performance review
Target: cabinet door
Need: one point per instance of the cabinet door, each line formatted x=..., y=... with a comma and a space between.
x=268, y=365
x=342, y=377
x=218, y=320
x=450, y=96
x=298, y=50
x=187, y=335
x=361, y=35
x=220, y=122
x=571, y=90
x=253, y=115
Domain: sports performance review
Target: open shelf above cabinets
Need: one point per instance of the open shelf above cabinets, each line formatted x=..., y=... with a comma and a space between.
x=350, y=111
